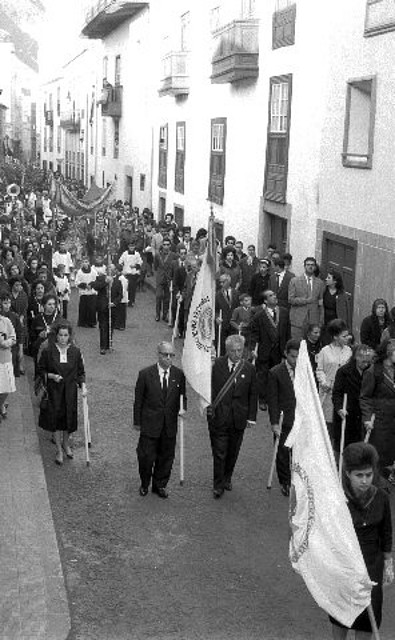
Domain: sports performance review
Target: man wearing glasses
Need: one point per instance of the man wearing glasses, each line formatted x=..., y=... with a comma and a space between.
x=156, y=408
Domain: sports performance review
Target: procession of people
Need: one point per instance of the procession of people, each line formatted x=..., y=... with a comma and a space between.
x=261, y=312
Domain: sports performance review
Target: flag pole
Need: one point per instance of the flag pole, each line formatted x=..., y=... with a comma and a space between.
x=170, y=314
x=342, y=437
x=369, y=429
x=87, y=430
x=181, y=427
x=175, y=328
x=373, y=623
x=275, y=450
x=219, y=334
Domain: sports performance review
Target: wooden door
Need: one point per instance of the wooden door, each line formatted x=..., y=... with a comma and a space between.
x=340, y=254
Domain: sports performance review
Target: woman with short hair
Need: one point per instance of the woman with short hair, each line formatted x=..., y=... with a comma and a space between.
x=370, y=511
x=60, y=369
x=373, y=326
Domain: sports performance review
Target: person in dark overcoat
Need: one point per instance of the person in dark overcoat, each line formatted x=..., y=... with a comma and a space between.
x=226, y=301
x=157, y=404
x=378, y=398
x=281, y=398
x=269, y=335
x=349, y=380
x=236, y=411
x=106, y=304
x=373, y=326
x=60, y=369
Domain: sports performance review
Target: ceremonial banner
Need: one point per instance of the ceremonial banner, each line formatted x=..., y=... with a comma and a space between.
x=196, y=356
x=74, y=207
x=324, y=547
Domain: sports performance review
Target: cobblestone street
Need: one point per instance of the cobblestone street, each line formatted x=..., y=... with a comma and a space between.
x=180, y=569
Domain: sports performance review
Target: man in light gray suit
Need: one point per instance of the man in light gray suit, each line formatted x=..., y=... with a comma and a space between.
x=305, y=295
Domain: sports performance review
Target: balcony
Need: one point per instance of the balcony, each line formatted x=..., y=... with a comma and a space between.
x=49, y=117
x=106, y=15
x=71, y=121
x=236, y=54
x=111, y=101
x=175, y=77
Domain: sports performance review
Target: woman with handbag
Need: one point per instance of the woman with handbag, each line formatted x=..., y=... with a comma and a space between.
x=7, y=379
x=60, y=369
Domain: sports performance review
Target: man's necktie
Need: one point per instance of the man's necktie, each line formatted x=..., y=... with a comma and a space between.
x=274, y=316
x=164, y=384
x=310, y=287
x=277, y=282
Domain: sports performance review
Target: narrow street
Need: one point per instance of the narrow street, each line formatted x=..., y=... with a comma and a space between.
x=186, y=568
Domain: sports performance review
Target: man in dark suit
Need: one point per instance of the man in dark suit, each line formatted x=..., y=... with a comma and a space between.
x=279, y=283
x=281, y=398
x=269, y=334
x=226, y=301
x=156, y=408
x=179, y=277
x=109, y=295
x=236, y=411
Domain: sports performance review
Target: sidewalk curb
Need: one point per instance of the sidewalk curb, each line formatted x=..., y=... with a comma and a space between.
x=33, y=600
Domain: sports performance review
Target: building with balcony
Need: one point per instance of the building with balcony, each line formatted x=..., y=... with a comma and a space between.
x=236, y=55
x=124, y=99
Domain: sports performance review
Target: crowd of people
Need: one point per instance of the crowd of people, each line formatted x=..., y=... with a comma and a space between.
x=262, y=311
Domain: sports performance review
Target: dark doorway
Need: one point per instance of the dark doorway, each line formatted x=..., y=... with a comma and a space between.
x=162, y=207
x=278, y=232
x=179, y=216
x=129, y=190
x=341, y=254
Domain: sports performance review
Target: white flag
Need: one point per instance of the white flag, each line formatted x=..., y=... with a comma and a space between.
x=196, y=356
x=324, y=547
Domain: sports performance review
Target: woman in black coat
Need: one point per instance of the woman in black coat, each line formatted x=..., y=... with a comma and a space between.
x=61, y=370
x=370, y=511
x=373, y=326
x=378, y=398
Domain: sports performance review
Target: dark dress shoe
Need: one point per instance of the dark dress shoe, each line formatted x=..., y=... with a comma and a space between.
x=157, y=318
x=218, y=493
x=160, y=491
x=285, y=490
x=143, y=491
x=228, y=486
x=103, y=352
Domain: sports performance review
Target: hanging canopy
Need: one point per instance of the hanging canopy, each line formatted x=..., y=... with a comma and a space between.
x=94, y=200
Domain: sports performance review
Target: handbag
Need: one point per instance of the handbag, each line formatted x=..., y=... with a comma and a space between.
x=44, y=400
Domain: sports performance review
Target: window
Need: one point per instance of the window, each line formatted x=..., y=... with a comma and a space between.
x=248, y=9
x=117, y=75
x=216, y=187
x=105, y=67
x=380, y=17
x=180, y=157
x=116, y=138
x=215, y=18
x=58, y=101
x=283, y=27
x=58, y=139
x=142, y=181
x=276, y=168
x=279, y=108
x=185, y=31
x=45, y=138
x=50, y=107
x=162, y=175
x=359, y=123
x=104, y=137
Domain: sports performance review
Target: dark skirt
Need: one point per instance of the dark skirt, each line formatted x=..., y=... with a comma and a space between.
x=120, y=316
x=87, y=311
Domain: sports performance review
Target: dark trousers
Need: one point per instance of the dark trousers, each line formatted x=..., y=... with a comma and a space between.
x=132, y=287
x=120, y=315
x=225, y=446
x=63, y=308
x=162, y=299
x=262, y=374
x=283, y=460
x=155, y=457
x=104, y=327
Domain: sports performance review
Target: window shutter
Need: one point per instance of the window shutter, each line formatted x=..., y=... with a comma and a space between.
x=180, y=157
x=217, y=160
x=162, y=174
x=284, y=27
x=276, y=169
